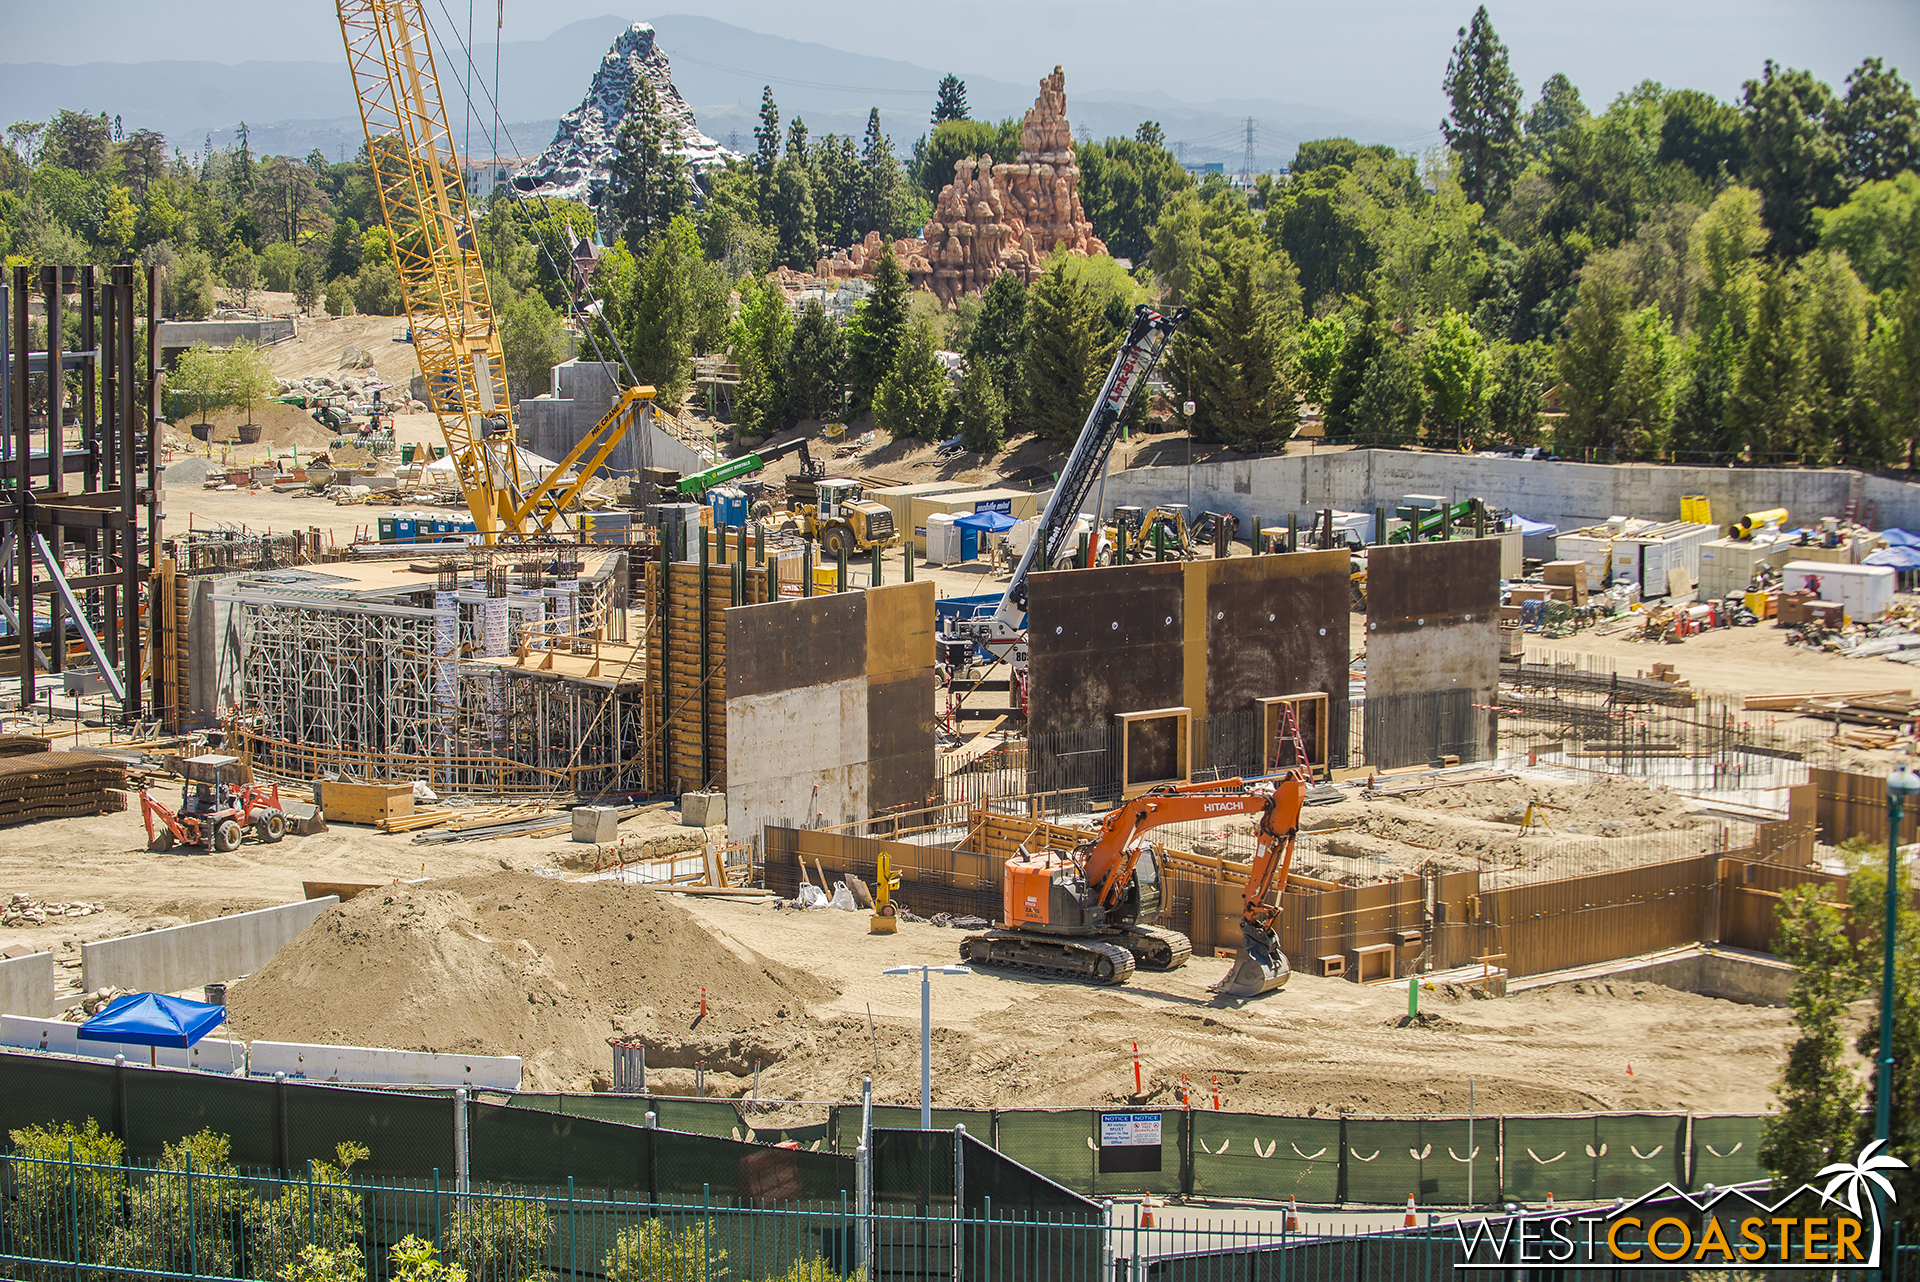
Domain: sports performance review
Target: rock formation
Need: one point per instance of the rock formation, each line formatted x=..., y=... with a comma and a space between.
x=996, y=218
x=578, y=163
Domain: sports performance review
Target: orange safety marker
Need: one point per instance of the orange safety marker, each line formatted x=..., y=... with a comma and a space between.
x=703, y=1003
x=1549, y=1201
x=1413, y=1219
x=1216, y=1092
x=1186, y=1096
x=1629, y=1068
x=1137, y=1089
x=1146, y=1213
x=1293, y=1215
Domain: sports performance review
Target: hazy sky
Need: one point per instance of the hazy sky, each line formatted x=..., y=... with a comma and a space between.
x=1383, y=57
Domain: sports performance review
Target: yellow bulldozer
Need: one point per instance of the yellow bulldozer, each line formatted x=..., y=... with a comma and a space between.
x=835, y=513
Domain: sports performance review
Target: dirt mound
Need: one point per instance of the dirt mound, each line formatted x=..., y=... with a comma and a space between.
x=1608, y=806
x=513, y=964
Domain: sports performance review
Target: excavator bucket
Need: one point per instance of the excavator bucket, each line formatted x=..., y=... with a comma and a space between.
x=1261, y=967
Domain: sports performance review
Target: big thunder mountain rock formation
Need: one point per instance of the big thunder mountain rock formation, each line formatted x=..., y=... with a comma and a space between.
x=995, y=218
x=578, y=163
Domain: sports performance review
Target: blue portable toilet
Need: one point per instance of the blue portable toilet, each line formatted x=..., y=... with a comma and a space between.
x=729, y=504
x=406, y=526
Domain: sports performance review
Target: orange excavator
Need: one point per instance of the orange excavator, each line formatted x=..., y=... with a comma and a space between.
x=1089, y=914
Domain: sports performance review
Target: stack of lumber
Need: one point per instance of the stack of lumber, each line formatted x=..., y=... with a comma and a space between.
x=463, y=819
x=60, y=785
x=1877, y=710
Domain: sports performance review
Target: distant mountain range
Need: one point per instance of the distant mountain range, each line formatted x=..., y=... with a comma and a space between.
x=293, y=107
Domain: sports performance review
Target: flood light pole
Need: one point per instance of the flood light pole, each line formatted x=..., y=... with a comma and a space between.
x=926, y=1029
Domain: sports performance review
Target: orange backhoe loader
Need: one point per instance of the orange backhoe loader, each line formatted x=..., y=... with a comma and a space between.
x=1090, y=913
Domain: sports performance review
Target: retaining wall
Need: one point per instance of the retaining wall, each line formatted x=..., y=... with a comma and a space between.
x=214, y=1054
x=203, y=952
x=26, y=985
x=365, y=1064
x=1568, y=494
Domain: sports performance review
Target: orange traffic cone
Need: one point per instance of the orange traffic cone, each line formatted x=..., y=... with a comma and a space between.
x=1293, y=1215
x=1629, y=1068
x=1146, y=1214
x=1413, y=1218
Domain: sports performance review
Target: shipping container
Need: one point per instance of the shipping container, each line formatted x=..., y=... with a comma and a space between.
x=1864, y=591
x=1018, y=504
x=1727, y=566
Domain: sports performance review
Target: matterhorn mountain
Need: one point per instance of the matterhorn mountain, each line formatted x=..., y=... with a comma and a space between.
x=578, y=163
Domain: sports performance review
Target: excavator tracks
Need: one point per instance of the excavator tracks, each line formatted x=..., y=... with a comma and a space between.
x=1155, y=948
x=1062, y=957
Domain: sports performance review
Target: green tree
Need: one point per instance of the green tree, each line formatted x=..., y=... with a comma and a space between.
x=766, y=150
x=200, y=373
x=1798, y=163
x=816, y=374
x=650, y=187
x=1388, y=409
x=1517, y=391
x=1318, y=345
x=651, y=1252
x=1892, y=375
x=980, y=410
x=1725, y=240
x=188, y=1227
x=1616, y=368
x=1770, y=412
x=1454, y=369
x=533, y=340
x=951, y=141
x=1236, y=352
x=249, y=375
x=1878, y=228
x=912, y=398
x=501, y=1238
x=339, y=296
x=1701, y=431
x=306, y=284
x=876, y=330
x=311, y=1233
x=731, y=227
x=1818, y=1093
x=1483, y=128
x=760, y=342
x=63, y=1212
x=881, y=197
x=193, y=285
x=997, y=339
x=1558, y=107
x=1878, y=123
x=241, y=272
x=376, y=287
x=1866, y=896
x=951, y=104
x=278, y=265
x=343, y=249
x=1365, y=337
x=1344, y=153
x=1834, y=307
x=1706, y=135
x=797, y=246
x=1317, y=220
x=79, y=142
x=662, y=317
x=1125, y=183
x=838, y=180
x=1068, y=353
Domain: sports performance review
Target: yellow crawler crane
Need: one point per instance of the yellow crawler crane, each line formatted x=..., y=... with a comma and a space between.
x=424, y=204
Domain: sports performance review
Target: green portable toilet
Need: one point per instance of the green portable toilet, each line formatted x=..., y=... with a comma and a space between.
x=386, y=529
x=406, y=455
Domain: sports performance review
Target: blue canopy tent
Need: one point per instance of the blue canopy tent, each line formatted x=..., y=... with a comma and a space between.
x=979, y=523
x=153, y=1020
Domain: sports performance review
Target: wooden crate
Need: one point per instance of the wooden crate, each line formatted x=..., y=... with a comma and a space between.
x=363, y=803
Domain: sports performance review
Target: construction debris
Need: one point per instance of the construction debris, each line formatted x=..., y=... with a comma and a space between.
x=24, y=910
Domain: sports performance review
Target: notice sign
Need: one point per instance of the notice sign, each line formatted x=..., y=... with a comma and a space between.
x=1129, y=1142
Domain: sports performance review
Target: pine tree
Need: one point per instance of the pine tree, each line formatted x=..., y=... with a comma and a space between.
x=1769, y=412
x=1242, y=395
x=766, y=148
x=1835, y=305
x=998, y=339
x=797, y=143
x=816, y=377
x=1892, y=373
x=1484, y=127
x=911, y=400
x=650, y=184
x=878, y=326
x=880, y=202
x=1388, y=409
x=761, y=343
x=952, y=101
x=797, y=245
x=1068, y=352
x=662, y=314
x=306, y=284
x=980, y=411
x=1349, y=379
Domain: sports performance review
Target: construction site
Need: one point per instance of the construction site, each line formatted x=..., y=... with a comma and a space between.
x=571, y=756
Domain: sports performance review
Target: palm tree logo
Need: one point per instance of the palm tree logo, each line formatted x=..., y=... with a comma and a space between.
x=1860, y=1175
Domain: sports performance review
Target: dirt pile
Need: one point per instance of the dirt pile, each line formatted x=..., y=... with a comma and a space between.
x=1608, y=806
x=513, y=964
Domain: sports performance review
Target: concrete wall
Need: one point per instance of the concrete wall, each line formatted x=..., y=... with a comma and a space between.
x=1738, y=977
x=26, y=985
x=214, y=1054
x=216, y=646
x=364, y=1064
x=204, y=952
x=178, y=336
x=1568, y=494
x=582, y=393
x=1433, y=650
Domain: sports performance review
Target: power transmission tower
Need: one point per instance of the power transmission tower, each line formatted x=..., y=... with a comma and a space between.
x=1246, y=168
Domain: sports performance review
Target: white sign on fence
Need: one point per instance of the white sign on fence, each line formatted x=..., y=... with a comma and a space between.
x=1129, y=1130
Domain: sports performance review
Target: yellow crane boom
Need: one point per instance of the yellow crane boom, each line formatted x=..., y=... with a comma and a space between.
x=423, y=201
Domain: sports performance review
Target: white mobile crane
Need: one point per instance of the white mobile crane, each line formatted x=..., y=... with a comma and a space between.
x=1003, y=631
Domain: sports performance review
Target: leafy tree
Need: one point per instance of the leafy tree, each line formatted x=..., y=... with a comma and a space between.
x=1866, y=896
x=1364, y=339
x=1701, y=433
x=1428, y=251
x=980, y=410
x=339, y=296
x=877, y=328
x=912, y=398
x=1518, y=381
x=816, y=374
x=1200, y=226
x=766, y=149
x=533, y=340
x=306, y=284
x=1318, y=345
x=1725, y=240
x=1892, y=373
x=1616, y=367
x=1706, y=135
x=78, y=142
x=1770, y=411
x=952, y=101
x=1068, y=353
x=650, y=187
x=1235, y=344
x=376, y=287
x=143, y=158
x=1454, y=368
x=1878, y=124
x=1125, y=183
x=200, y=374
x=761, y=342
x=1878, y=228
x=249, y=375
x=1798, y=163
x=1317, y=220
x=997, y=339
x=1818, y=1094
x=278, y=265
x=881, y=203
x=343, y=249
x=1834, y=306
x=241, y=272
x=1558, y=107
x=1483, y=127
x=26, y=138
x=661, y=319
x=731, y=227
x=1388, y=409
x=793, y=216
x=1344, y=153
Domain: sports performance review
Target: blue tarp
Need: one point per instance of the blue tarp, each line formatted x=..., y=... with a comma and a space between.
x=1525, y=526
x=1903, y=557
x=987, y=522
x=1901, y=538
x=153, y=1019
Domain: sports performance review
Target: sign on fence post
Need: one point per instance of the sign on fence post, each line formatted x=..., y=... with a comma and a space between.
x=1129, y=1142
